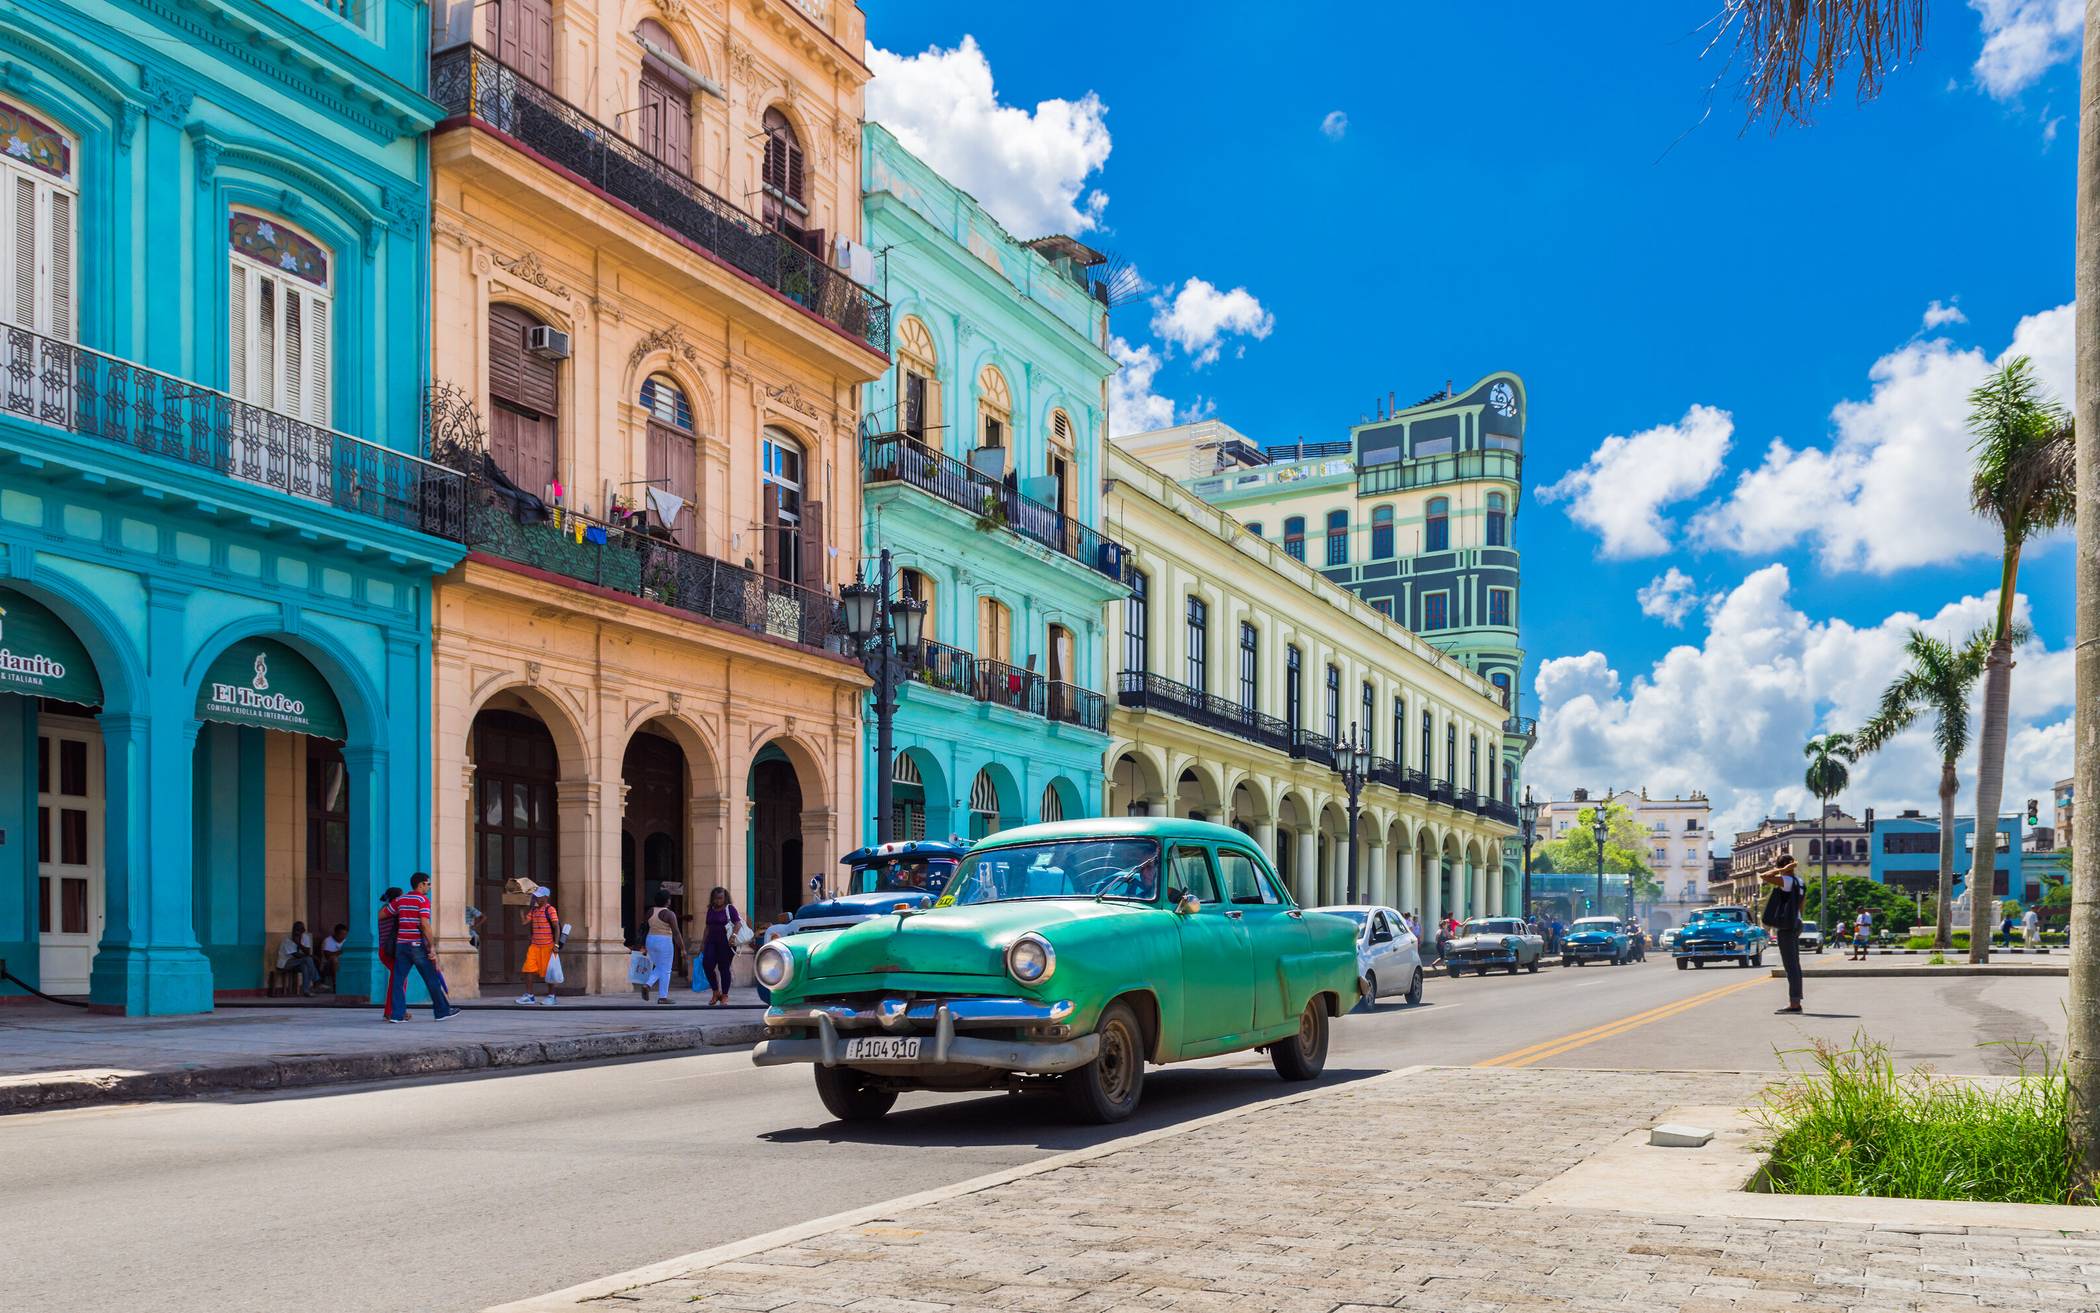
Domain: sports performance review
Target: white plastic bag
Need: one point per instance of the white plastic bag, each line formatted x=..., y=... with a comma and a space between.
x=554, y=975
x=638, y=969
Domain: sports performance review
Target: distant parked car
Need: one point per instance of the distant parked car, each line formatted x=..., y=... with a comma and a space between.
x=880, y=878
x=1388, y=956
x=1721, y=934
x=1596, y=939
x=1485, y=943
x=1667, y=940
x=1811, y=937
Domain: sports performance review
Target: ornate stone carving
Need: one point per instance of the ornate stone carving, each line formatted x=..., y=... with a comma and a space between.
x=791, y=397
x=605, y=309
x=167, y=98
x=670, y=339
x=528, y=268
x=450, y=231
x=400, y=209
x=736, y=371
x=128, y=115
x=744, y=66
x=206, y=153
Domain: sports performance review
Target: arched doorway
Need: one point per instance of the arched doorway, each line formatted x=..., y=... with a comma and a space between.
x=919, y=804
x=777, y=879
x=652, y=828
x=516, y=828
x=1132, y=788
x=1061, y=802
x=994, y=805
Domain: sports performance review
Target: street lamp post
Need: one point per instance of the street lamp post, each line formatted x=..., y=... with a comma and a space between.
x=1356, y=768
x=897, y=627
x=1599, y=831
x=1528, y=811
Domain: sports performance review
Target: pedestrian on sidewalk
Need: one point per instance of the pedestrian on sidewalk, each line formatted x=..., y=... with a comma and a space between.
x=413, y=938
x=388, y=924
x=2031, y=928
x=1783, y=915
x=716, y=948
x=2005, y=929
x=332, y=954
x=544, y=924
x=295, y=954
x=1862, y=933
x=664, y=945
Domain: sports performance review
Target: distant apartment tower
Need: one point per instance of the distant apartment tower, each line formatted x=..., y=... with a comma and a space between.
x=1415, y=512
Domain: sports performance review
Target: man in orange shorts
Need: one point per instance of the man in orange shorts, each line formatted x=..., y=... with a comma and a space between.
x=545, y=925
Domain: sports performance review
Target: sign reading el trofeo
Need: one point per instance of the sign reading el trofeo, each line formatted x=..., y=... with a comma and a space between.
x=40, y=656
x=263, y=683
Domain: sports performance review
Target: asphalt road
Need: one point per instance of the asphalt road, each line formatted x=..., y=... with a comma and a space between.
x=460, y=1193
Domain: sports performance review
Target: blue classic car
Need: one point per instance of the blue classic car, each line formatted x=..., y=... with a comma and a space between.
x=1596, y=939
x=1725, y=934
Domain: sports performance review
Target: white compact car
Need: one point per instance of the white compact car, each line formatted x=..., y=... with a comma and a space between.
x=1388, y=956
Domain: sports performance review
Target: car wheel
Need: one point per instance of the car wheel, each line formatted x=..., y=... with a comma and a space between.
x=848, y=1096
x=1699, y=962
x=1757, y=959
x=1369, y=985
x=1683, y=964
x=1303, y=1055
x=1106, y=1089
x=1512, y=968
x=1567, y=961
x=1414, y=988
x=1532, y=966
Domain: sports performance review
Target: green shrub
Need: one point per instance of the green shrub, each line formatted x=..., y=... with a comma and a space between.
x=1853, y=1125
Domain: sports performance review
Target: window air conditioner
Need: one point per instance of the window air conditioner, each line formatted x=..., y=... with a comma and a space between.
x=547, y=343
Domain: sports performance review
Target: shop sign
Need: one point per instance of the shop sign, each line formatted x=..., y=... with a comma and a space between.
x=40, y=656
x=263, y=683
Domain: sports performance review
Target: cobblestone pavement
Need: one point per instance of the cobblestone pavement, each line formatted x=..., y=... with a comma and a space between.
x=1390, y=1193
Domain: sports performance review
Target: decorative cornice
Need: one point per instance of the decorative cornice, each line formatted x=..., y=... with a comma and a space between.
x=671, y=340
x=791, y=397
x=168, y=98
x=206, y=152
x=403, y=209
x=528, y=268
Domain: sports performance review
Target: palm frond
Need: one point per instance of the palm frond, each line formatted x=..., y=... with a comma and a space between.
x=2025, y=476
x=1790, y=53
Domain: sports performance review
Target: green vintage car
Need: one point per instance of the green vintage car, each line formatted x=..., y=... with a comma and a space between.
x=1074, y=953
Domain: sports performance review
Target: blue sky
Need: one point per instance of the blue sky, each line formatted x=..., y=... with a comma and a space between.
x=1548, y=190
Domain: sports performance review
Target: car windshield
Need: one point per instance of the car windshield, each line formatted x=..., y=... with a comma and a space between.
x=1721, y=915
x=1598, y=923
x=1492, y=928
x=900, y=875
x=1810, y=925
x=1075, y=868
x=1347, y=913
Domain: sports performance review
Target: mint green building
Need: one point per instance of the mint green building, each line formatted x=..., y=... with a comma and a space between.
x=982, y=461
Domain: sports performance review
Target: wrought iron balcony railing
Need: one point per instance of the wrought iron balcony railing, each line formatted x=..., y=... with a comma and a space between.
x=1415, y=782
x=1422, y=471
x=1011, y=686
x=1313, y=747
x=1386, y=771
x=948, y=668
x=113, y=401
x=654, y=570
x=1077, y=706
x=900, y=458
x=1498, y=810
x=1467, y=800
x=471, y=83
x=1523, y=727
x=1141, y=690
x=1442, y=791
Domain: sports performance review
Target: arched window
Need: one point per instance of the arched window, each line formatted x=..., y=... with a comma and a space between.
x=1815, y=849
x=1436, y=535
x=278, y=294
x=793, y=525
x=1063, y=463
x=1500, y=679
x=1497, y=521
x=995, y=418
x=784, y=184
x=1294, y=537
x=1053, y=808
x=918, y=383
x=524, y=400
x=666, y=109
x=995, y=630
x=1337, y=537
x=1254, y=527
x=1250, y=667
x=1381, y=533
x=39, y=202
x=673, y=463
x=919, y=586
x=907, y=799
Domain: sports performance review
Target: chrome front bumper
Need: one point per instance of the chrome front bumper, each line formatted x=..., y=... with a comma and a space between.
x=945, y=1017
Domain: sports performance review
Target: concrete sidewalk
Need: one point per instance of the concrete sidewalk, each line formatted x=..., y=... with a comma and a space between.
x=1404, y=1191
x=54, y=1056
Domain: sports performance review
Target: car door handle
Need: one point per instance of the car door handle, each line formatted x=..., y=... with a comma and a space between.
x=1235, y=915
x=1295, y=914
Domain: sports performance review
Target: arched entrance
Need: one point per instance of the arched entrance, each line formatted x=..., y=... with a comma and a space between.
x=919, y=804
x=994, y=802
x=517, y=832
x=785, y=842
x=1133, y=787
x=1061, y=802
x=1196, y=795
x=653, y=828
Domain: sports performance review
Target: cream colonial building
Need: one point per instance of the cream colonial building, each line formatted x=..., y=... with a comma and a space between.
x=1680, y=835
x=638, y=282
x=1242, y=671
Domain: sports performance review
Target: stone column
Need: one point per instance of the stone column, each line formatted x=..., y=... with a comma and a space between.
x=1305, y=878
x=1432, y=909
x=586, y=894
x=1155, y=807
x=1265, y=839
x=1376, y=866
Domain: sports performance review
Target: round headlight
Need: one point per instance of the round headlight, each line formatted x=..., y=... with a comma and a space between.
x=774, y=966
x=1031, y=960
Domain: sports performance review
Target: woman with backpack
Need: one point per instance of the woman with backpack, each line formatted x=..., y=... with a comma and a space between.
x=1783, y=916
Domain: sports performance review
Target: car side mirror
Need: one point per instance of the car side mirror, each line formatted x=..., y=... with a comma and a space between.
x=1189, y=905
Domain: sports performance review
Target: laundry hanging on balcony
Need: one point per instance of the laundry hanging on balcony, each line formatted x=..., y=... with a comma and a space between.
x=668, y=505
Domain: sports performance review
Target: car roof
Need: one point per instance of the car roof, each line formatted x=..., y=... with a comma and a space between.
x=1116, y=827
x=904, y=848
x=1352, y=907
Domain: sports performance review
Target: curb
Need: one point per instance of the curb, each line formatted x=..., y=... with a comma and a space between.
x=1907, y=971
x=309, y=1072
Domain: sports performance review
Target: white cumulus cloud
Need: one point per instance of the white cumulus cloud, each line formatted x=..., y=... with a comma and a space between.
x=1028, y=167
x=1939, y=313
x=1890, y=490
x=1198, y=317
x=1622, y=489
x=1728, y=715
x=1335, y=125
x=1669, y=597
x=1133, y=407
x=2023, y=39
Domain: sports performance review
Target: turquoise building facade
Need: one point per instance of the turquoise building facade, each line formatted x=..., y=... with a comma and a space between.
x=217, y=540
x=982, y=460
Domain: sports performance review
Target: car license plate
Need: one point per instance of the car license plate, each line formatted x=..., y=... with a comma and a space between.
x=883, y=1048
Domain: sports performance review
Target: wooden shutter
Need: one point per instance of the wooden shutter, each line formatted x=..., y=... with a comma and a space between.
x=771, y=560
x=795, y=180
x=914, y=404
x=238, y=328
x=515, y=375
x=667, y=121
x=522, y=443
x=812, y=544
x=672, y=460
x=525, y=37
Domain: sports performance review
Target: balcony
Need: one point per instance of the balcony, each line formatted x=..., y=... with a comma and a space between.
x=1521, y=727
x=1386, y=771
x=1314, y=747
x=653, y=570
x=123, y=405
x=472, y=84
x=1143, y=691
x=900, y=458
x=982, y=680
x=1498, y=810
x=1443, y=792
x=1073, y=705
x=1423, y=471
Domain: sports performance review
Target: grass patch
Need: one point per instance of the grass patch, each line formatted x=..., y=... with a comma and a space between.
x=1936, y=960
x=1853, y=1125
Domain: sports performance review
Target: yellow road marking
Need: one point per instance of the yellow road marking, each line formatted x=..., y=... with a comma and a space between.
x=1524, y=1057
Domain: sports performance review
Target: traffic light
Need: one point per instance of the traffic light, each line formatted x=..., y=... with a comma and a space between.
x=2034, y=811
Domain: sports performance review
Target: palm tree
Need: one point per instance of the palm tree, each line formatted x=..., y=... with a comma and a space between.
x=2024, y=480
x=1828, y=756
x=1938, y=682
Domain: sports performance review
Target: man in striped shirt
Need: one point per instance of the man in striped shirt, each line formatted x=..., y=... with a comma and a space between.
x=412, y=941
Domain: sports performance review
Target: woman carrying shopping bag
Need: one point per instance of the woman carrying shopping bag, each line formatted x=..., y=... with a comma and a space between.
x=661, y=945
x=724, y=929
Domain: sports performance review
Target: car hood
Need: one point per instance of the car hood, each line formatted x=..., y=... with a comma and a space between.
x=1576, y=936
x=862, y=904
x=1497, y=942
x=968, y=940
x=1720, y=930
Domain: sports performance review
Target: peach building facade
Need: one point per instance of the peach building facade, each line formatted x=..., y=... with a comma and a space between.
x=648, y=349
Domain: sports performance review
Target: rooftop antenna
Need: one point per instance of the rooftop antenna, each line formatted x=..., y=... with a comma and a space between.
x=1118, y=280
